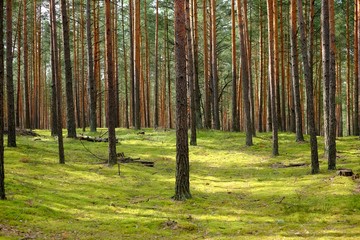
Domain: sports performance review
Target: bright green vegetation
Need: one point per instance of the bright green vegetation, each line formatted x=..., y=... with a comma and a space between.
x=238, y=192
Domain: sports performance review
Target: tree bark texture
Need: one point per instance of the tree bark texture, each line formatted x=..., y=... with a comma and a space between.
x=111, y=84
x=2, y=75
x=182, y=184
x=70, y=116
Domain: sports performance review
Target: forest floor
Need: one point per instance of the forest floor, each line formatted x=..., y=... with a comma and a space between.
x=238, y=192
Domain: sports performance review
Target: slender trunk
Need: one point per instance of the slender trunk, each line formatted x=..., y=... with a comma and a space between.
x=332, y=89
x=272, y=80
x=215, y=94
x=235, y=118
x=91, y=77
x=127, y=123
x=325, y=41
x=56, y=75
x=295, y=74
x=348, y=71
x=111, y=85
x=137, y=62
x=309, y=92
x=190, y=76
x=207, y=107
x=156, y=86
x=244, y=73
x=70, y=116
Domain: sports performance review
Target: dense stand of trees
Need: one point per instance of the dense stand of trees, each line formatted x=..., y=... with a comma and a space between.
x=242, y=70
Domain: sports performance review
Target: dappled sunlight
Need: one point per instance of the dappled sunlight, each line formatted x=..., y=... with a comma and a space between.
x=238, y=192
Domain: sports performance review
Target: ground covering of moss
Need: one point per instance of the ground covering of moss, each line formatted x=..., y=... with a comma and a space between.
x=238, y=192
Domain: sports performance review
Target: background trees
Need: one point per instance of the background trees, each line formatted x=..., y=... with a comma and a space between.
x=230, y=53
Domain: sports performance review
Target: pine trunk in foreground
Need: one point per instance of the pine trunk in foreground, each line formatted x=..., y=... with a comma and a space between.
x=182, y=184
x=9, y=78
x=111, y=84
x=2, y=169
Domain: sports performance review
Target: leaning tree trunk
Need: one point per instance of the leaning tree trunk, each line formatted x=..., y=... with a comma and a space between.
x=182, y=185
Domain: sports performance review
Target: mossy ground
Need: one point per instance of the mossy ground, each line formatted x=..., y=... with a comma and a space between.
x=237, y=191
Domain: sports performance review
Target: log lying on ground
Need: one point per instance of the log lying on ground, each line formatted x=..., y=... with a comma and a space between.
x=345, y=172
x=123, y=159
x=281, y=165
x=94, y=139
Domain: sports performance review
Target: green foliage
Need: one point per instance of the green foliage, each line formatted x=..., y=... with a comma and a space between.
x=238, y=192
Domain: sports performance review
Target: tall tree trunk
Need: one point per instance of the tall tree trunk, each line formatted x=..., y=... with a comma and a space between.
x=348, y=71
x=207, y=104
x=70, y=116
x=182, y=184
x=9, y=78
x=190, y=76
x=156, y=85
x=244, y=73
x=325, y=41
x=91, y=77
x=214, y=67
x=196, y=63
x=26, y=69
x=137, y=62
x=56, y=75
x=170, y=117
x=272, y=80
x=332, y=90
x=111, y=84
x=309, y=92
x=2, y=169
x=295, y=74
x=235, y=114
x=127, y=123
x=19, y=95
x=282, y=56
x=357, y=76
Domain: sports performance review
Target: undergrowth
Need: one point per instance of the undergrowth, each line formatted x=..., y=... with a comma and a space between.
x=238, y=192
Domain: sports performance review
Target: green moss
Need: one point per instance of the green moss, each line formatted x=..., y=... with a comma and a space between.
x=238, y=192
